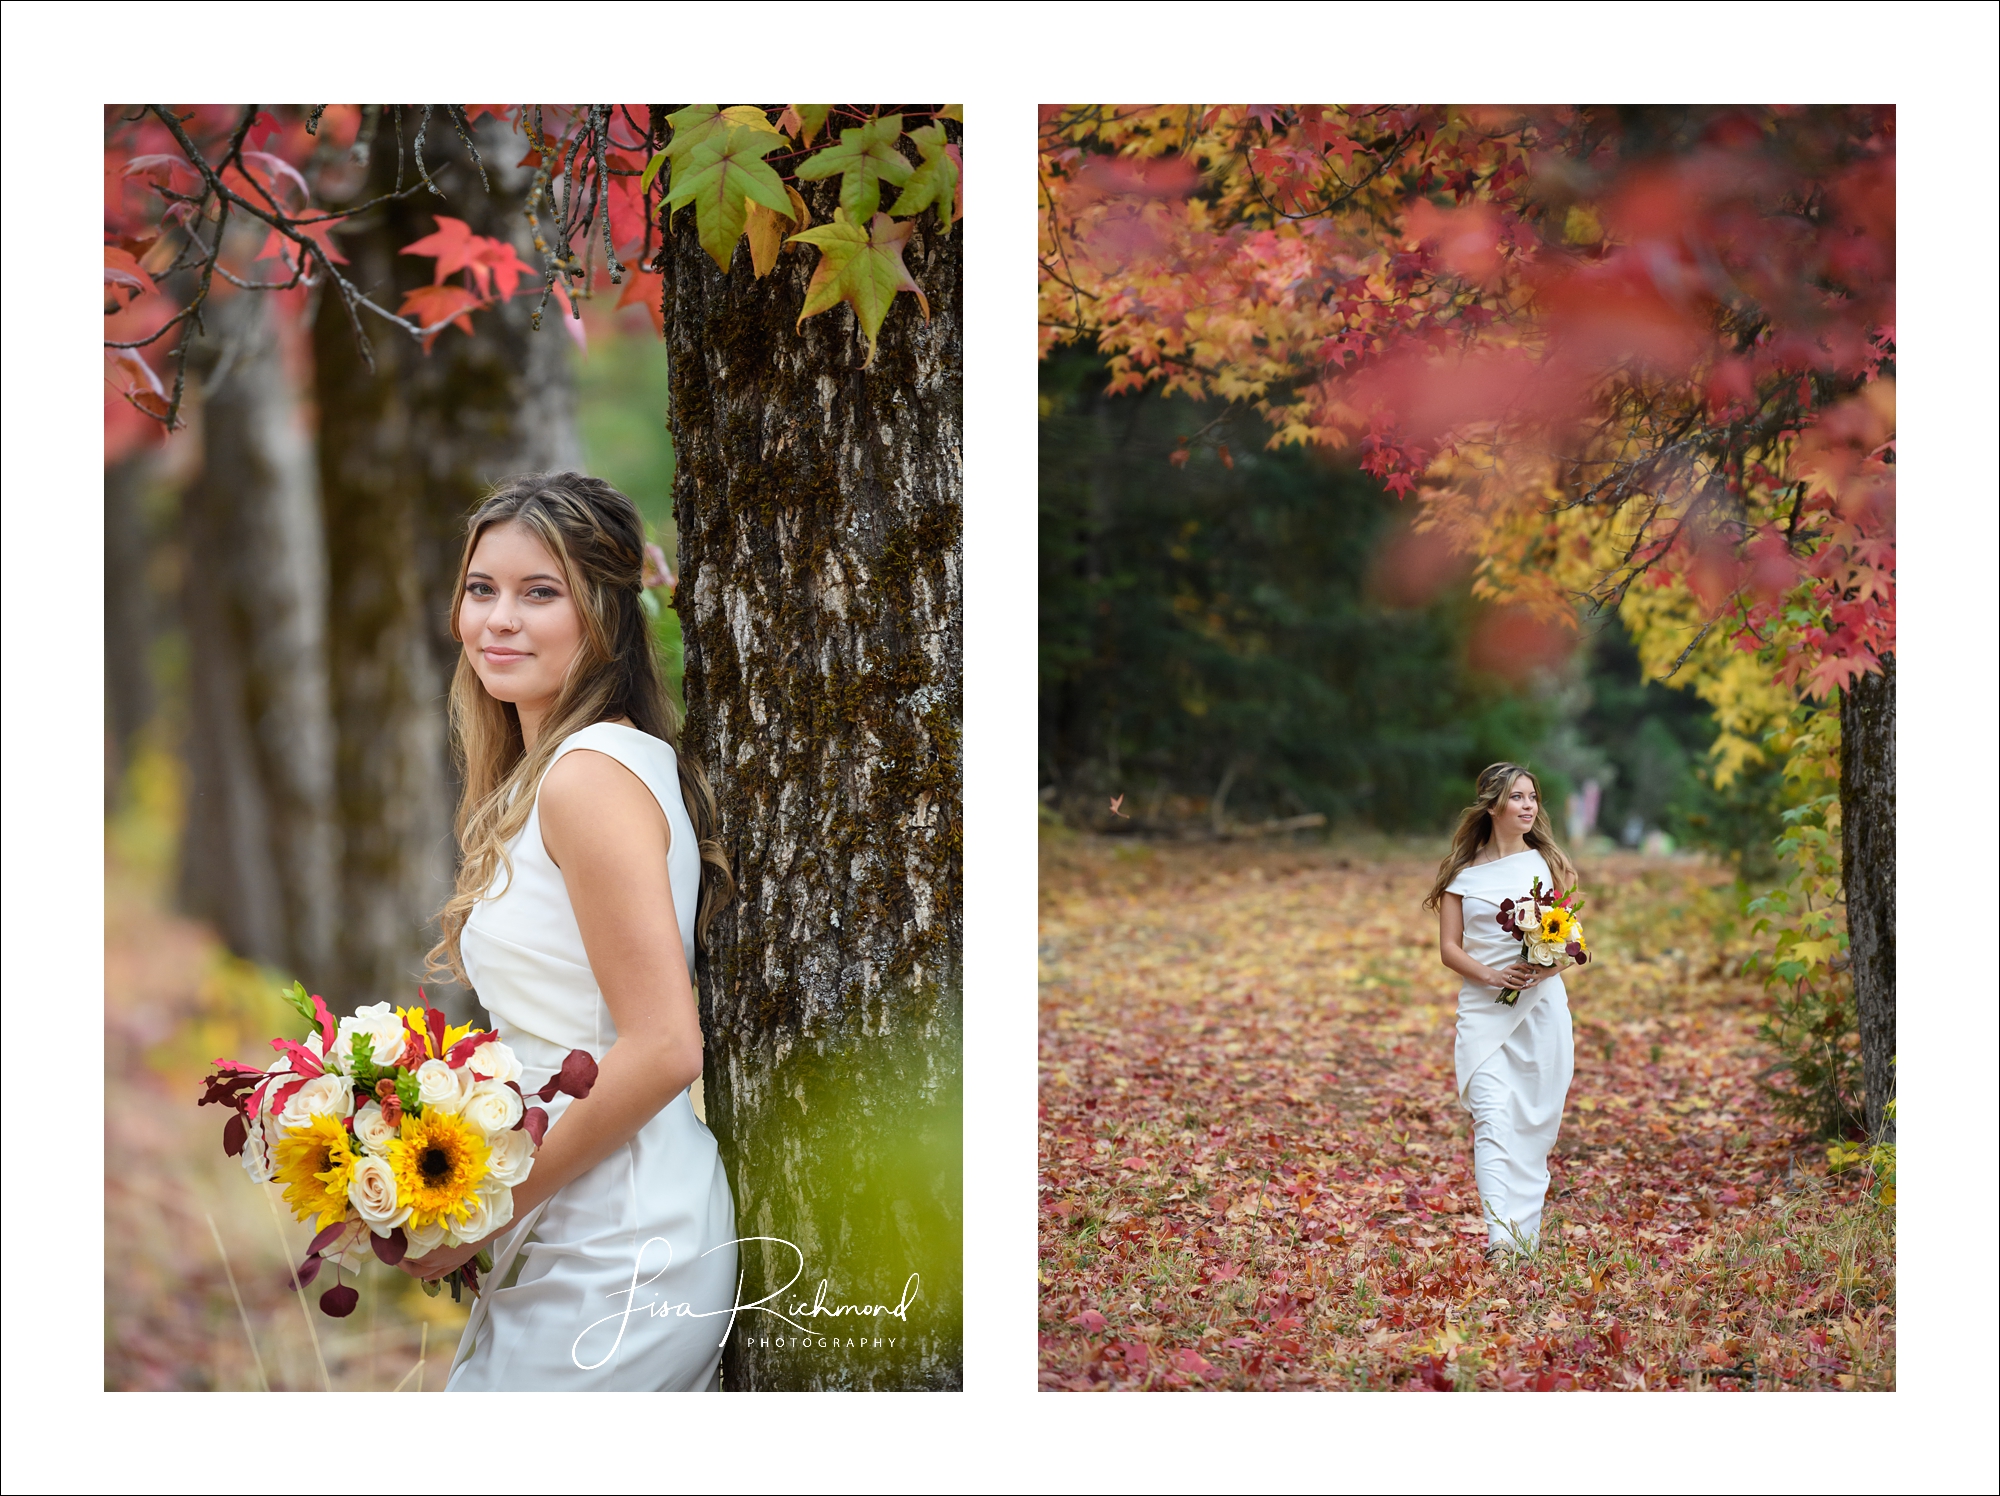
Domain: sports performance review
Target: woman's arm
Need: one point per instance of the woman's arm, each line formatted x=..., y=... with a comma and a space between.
x=1451, y=950
x=604, y=829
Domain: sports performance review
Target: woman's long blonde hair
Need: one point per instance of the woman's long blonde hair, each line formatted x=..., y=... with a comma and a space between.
x=595, y=534
x=1475, y=830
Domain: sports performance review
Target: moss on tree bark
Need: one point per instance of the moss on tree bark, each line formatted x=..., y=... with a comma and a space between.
x=818, y=514
x=1868, y=869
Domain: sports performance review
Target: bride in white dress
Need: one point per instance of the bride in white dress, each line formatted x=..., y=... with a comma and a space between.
x=1515, y=1061
x=590, y=870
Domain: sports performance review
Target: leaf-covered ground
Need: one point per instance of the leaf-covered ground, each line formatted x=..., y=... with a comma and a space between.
x=1254, y=1173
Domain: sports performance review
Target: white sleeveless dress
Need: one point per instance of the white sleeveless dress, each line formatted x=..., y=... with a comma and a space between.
x=1514, y=1063
x=624, y=1279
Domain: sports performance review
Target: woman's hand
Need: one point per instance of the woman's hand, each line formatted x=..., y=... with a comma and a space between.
x=443, y=1260
x=1521, y=976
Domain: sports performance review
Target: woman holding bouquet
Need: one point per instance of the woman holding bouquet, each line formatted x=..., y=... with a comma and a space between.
x=1514, y=1051
x=590, y=870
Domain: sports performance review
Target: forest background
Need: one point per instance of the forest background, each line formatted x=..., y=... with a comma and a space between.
x=1631, y=372
x=329, y=330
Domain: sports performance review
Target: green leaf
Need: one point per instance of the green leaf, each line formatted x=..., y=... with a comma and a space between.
x=809, y=117
x=406, y=1093
x=865, y=158
x=432, y=1286
x=699, y=122
x=363, y=1068
x=719, y=176
x=652, y=170
x=953, y=111
x=934, y=181
x=300, y=999
x=863, y=268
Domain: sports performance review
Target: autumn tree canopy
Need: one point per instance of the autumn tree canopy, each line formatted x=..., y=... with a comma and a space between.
x=1617, y=353
x=213, y=197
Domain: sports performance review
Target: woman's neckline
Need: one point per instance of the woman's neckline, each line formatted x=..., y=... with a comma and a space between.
x=1498, y=860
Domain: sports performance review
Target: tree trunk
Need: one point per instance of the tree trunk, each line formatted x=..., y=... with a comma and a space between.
x=818, y=511
x=259, y=854
x=1868, y=864
x=130, y=619
x=405, y=452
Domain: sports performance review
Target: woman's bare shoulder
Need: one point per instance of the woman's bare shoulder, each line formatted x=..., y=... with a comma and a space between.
x=589, y=797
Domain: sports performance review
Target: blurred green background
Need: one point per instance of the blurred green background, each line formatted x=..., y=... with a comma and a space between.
x=1232, y=637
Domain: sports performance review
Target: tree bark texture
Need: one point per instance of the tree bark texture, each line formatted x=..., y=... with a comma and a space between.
x=260, y=852
x=406, y=451
x=1868, y=869
x=818, y=511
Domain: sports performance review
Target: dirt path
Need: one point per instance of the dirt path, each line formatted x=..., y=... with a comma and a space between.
x=1254, y=1173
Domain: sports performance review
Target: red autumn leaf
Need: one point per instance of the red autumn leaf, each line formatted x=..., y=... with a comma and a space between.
x=647, y=289
x=125, y=276
x=130, y=374
x=1089, y=1321
x=339, y=1301
x=536, y=1121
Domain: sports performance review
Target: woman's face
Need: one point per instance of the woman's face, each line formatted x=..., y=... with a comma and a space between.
x=1517, y=808
x=520, y=626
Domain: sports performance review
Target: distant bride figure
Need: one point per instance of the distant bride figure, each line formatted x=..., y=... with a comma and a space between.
x=590, y=870
x=1514, y=1062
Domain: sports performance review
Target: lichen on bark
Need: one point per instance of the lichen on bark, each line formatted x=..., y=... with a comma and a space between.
x=818, y=514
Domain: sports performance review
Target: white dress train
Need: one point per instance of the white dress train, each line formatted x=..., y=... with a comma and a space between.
x=1514, y=1063
x=624, y=1278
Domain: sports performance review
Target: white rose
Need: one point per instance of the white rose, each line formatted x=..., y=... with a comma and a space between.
x=441, y=1088
x=492, y=1208
x=373, y=1128
x=495, y=1061
x=509, y=1157
x=372, y=1192
x=423, y=1240
x=492, y=1107
x=256, y=1153
x=383, y=1029
x=322, y=1096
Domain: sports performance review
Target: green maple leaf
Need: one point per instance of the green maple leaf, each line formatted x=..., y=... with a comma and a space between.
x=862, y=267
x=934, y=181
x=723, y=172
x=865, y=158
x=693, y=125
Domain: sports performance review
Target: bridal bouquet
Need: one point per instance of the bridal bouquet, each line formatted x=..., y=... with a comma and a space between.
x=1546, y=924
x=392, y=1127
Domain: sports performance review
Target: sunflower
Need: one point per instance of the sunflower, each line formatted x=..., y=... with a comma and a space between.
x=1555, y=925
x=315, y=1163
x=440, y=1162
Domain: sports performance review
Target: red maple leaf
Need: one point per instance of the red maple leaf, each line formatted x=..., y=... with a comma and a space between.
x=436, y=306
